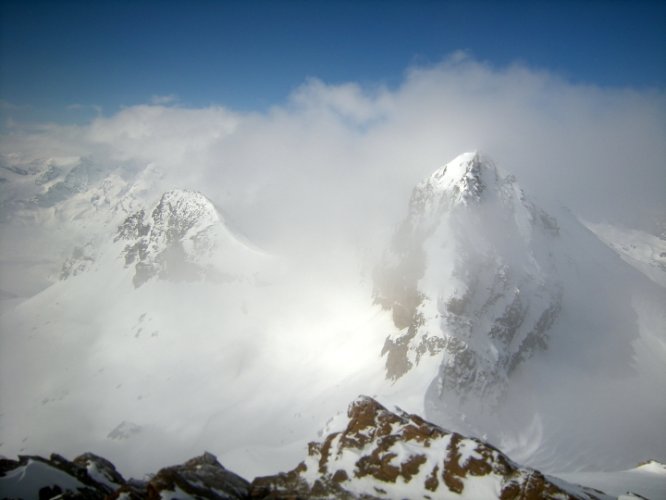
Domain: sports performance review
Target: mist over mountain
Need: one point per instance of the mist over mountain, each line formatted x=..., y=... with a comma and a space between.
x=177, y=280
x=486, y=313
x=522, y=314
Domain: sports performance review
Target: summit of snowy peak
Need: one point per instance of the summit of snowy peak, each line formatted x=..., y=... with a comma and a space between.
x=175, y=214
x=462, y=180
x=464, y=171
x=488, y=291
x=182, y=238
x=185, y=199
x=185, y=209
x=468, y=182
x=501, y=294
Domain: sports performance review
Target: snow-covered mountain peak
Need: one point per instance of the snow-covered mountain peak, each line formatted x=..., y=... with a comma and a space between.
x=464, y=174
x=182, y=211
x=177, y=215
x=183, y=238
x=463, y=180
x=486, y=289
x=470, y=273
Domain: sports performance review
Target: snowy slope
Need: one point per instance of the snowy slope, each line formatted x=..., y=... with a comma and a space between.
x=158, y=373
x=152, y=331
x=644, y=251
x=647, y=480
x=230, y=356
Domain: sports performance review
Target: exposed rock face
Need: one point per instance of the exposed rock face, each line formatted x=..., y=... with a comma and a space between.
x=157, y=242
x=91, y=477
x=381, y=454
x=178, y=240
x=200, y=477
x=182, y=238
x=86, y=477
x=469, y=275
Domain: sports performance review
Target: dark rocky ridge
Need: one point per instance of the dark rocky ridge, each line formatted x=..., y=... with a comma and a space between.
x=437, y=464
x=91, y=477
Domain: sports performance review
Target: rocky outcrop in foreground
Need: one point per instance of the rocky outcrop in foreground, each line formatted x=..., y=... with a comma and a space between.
x=90, y=477
x=382, y=454
x=376, y=454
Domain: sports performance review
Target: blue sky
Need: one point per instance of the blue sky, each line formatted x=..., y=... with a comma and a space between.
x=61, y=60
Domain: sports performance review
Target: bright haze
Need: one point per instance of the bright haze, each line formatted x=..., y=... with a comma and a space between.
x=306, y=127
x=284, y=103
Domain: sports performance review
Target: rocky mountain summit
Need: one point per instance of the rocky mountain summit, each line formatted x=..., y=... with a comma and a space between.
x=377, y=454
x=183, y=238
x=168, y=241
x=502, y=308
x=469, y=274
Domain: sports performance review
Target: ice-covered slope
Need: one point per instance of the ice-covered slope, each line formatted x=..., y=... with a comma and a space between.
x=647, y=480
x=646, y=252
x=520, y=317
x=213, y=336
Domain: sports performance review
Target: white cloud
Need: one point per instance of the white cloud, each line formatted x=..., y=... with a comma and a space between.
x=161, y=100
x=79, y=107
x=9, y=106
x=344, y=157
x=348, y=101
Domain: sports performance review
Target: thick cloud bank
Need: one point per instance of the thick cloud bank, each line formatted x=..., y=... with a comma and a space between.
x=346, y=156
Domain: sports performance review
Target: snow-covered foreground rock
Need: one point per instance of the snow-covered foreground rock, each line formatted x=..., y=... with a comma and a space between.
x=375, y=453
x=381, y=454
